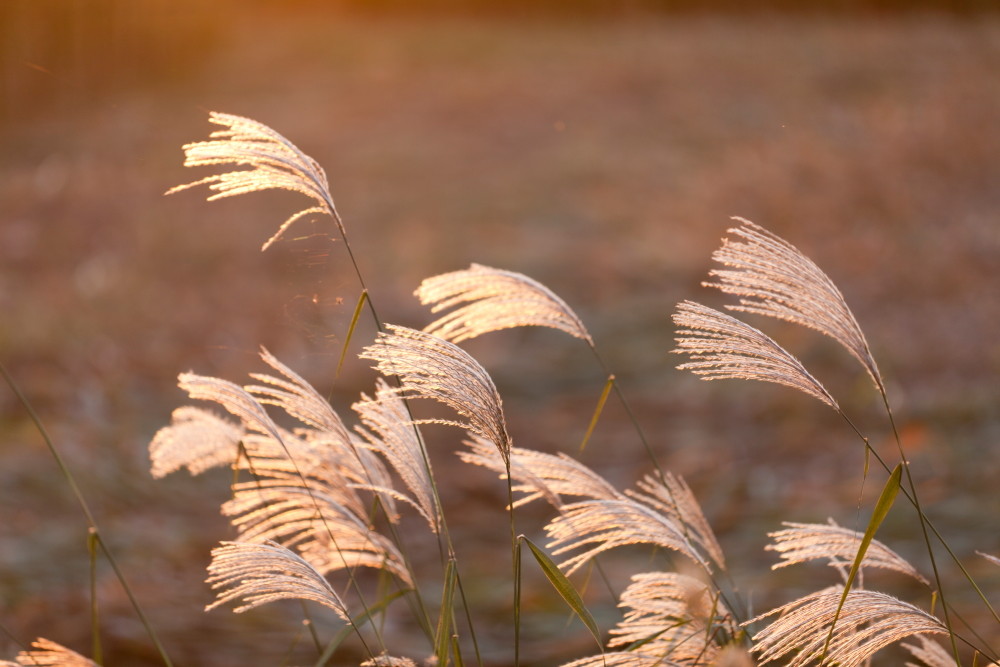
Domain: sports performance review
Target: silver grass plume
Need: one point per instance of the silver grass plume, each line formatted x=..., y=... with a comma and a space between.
x=234, y=398
x=388, y=661
x=868, y=622
x=671, y=615
x=623, y=659
x=256, y=574
x=304, y=494
x=274, y=163
x=305, y=488
x=539, y=475
x=596, y=526
x=930, y=654
x=732, y=655
x=489, y=299
x=295, y=396
x=431, y=367
x=992, y=559
x=48, y=653
x=672, y=496
x=802, y=542
x=387, y=430
x=723, y=347
x=772, y=277
x=196, y=439
x=329, y=534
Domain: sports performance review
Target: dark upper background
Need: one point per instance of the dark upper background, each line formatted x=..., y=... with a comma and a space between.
x=599, y=151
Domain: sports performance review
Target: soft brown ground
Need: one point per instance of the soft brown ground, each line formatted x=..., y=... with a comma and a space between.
x=601, y=157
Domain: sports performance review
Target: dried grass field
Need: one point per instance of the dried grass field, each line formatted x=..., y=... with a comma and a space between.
x=602, y=157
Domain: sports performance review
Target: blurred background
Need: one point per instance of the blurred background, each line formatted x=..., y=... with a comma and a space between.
x=600, y=149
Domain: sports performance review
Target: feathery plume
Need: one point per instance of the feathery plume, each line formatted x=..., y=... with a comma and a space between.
x=929, y=653
x=772, y=277
x=723, y=347
x=315, y=520
x=275, y=164
x=305, y=495
x=801, y=542
x=387, y=430
x=623, y=659
x=540, y=475
x=196, y=439
x=234, y=398
x=992, y=559
x=494, y=299
x=257, y=574
x=305, y=488
x=672, y=496
x=868, y=622
x=295, y=396
x=388, y=661
x=671, y=615
x=732, y=655
x=48, y=653
x=431, y=367
x=601, y=525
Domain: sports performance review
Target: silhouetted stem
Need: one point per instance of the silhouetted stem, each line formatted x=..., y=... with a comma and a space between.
x=91, y=522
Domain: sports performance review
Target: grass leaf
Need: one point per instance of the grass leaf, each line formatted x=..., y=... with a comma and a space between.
x=350, y=330
x=597, y=411
x=564, y=587
x=882, y=507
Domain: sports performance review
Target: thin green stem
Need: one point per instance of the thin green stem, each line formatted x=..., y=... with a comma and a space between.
x=926, y=521
x=612, y=378
x=446, y=549
x=923, y=522
x=85, y=508
x=516, y=564
x=95, y=618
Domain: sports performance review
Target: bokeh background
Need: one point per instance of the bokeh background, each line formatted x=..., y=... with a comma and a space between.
x=598, y=149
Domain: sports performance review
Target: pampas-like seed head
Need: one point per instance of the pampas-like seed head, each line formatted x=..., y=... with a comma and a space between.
x=257, y=574
x=596, y=526
x=868, y=622
x=196, y=439
x=48, y=653
x=990, y=558
x=930, y=654
x=723, y=347
x=540, y=475
x=388, y=661
x=388, y=431
x=494, y=299
x=672, y=496
x=801, y=542
x=431, y=367
x=671, y=615
x=624, y=659
x=772, y=277
x=275, y=164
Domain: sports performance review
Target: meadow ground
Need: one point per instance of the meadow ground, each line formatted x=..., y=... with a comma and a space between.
x=601, y=157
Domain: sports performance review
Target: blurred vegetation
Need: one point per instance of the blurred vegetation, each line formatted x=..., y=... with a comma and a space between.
x=98, y=45
x=602, y=158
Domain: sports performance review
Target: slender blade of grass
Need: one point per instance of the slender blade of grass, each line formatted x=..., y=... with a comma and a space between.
x=565, y=588
x=95, y=617
x=350, y=330
x=598, y=410
x=882, y=506
x=85, y=508
x=442, y=640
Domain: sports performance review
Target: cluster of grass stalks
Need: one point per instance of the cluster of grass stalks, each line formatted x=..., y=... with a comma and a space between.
x=323, y=511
